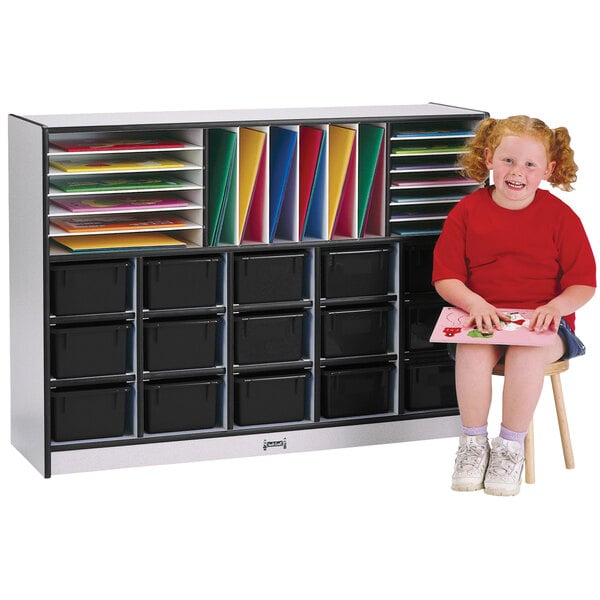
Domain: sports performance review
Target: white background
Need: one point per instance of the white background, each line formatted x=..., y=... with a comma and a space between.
x=376, y=522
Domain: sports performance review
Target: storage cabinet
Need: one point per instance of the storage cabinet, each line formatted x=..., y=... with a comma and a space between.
x=273, y=338
x=427, y=375
x=212, y=284
x=424, y=179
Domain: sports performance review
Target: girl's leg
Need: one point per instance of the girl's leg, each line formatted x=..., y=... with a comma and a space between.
x=523, y=381
x=474, y=365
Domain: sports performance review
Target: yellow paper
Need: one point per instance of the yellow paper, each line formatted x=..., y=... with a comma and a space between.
x=251, y=147
x=77, y=166
x=341, y=141
x=88, y=243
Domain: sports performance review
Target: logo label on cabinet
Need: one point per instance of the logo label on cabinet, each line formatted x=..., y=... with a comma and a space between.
x=274, y=444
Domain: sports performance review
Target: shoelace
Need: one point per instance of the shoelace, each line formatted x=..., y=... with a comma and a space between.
x=503, y=461
x=469, y=455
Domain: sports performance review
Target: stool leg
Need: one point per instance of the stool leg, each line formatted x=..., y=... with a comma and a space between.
x=529, y=455
x=563, y=424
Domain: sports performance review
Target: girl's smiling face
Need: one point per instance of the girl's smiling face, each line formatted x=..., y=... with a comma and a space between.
x=520, y=164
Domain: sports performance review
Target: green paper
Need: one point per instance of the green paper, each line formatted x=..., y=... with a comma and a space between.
x=221, y=180
x=369, y=146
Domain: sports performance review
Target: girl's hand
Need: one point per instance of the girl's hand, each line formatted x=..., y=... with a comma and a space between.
x=545, y=317
x=485, y=316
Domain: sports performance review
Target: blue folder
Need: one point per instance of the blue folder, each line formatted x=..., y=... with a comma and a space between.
x=282, y=147
x=315, y=225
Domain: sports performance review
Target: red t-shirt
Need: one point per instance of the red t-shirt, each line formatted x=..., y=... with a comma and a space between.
x=521, y=258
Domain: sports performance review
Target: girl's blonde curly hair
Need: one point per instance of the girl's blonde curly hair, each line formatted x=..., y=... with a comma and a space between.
x=491, y=131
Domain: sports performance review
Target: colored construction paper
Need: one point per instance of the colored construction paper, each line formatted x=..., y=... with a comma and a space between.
x=118, y=203
x=251, y=147
x=341, y=144
x=375, y=220
x=116, y=183
x=90, y=166
x=256, y=228
x=315, y=225
x=100, y=223
x=310, y=147
x=345, y=218
x=282, y=148
x=117, y=241
x=221, y=167
x=370, y=145
x=112, y=145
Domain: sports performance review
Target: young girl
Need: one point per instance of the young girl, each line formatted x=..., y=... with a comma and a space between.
x=511, y=245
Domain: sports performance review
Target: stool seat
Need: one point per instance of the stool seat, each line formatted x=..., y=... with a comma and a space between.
x=552, y=370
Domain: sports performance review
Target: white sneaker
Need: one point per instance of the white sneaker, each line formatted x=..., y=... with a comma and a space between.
x=471, y=462
x=503, y=477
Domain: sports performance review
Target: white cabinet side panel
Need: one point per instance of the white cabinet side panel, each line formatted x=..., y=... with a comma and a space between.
x=27, y=259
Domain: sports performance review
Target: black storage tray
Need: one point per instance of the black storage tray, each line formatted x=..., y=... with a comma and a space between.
x=273, y=337
x=268, y=277
x=270, y=399
x=180, y=282
x=180, y=344
x=180, y=405
x=429, y=386
x=88, y=288
x=90, y=350
x=355, y=391
x=79, y=414
x=348, y=273
x=354, y=332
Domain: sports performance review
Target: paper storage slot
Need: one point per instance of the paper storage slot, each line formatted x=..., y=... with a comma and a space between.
x=181, y=282
x=263, y=338
x=87, y=288
x=180, y=405
x=265, y=399
x=79, y=414
x=355, y=332
x=268, y=277
x=355, y=391
x=90, y=350
x=430, y=386
x=180, y=344
x=355, y=272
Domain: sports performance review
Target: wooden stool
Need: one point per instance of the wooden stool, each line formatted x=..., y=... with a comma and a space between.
x=553, y=370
